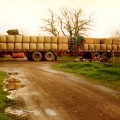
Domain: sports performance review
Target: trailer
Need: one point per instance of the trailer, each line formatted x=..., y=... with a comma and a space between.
x=34, y=48
x=94, y=49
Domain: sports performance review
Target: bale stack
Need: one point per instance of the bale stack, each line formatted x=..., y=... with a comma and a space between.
x=40, y=42
x=62, y=43
x=32, y=43
x=101, y=44
x=3, y=40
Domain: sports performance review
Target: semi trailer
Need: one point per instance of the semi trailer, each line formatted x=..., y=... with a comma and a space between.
x=35, y=48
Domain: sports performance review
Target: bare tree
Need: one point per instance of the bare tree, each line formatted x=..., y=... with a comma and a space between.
x=116, y=34
x=70, y=22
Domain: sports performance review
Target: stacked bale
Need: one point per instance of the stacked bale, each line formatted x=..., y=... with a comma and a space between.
x=106, y=44
x=40, y=42
x=62, y=43
x=47, y=42
x=54, y=42
x=3, y=45
x=25, y=44
x=116, y=44
x=10, y=42
x=33, y=42
x=18, y=42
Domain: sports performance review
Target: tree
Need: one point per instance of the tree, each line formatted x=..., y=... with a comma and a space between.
x=116, y=34
x=70, y=22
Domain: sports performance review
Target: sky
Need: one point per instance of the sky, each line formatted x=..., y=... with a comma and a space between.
x=27, y=15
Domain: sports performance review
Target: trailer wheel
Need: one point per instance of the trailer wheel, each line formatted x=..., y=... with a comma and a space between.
x=96, y=56
x=36, y=56
x=104, y=57
x=49, y=56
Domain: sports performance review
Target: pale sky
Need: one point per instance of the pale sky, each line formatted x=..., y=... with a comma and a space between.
x=26, y=15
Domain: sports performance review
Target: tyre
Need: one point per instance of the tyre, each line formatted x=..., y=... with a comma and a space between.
x=49, y=56
x=96, y=56
x=104, y=57
x=36, y=56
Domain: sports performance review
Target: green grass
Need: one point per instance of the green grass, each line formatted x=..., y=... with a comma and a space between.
x=4, y=101
x=107, y=74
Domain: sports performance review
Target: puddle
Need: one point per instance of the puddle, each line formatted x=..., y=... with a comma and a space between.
x=50, y=112
x=13, y=83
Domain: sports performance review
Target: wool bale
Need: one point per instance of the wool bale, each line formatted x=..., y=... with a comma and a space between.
x=53, y=46
x=118, y=47
x=47, y=46
x=3, y=46
x=96, y=40
x=96, y=46
x=85, y=47
x=10, y=46
x=54, y=39
x=88, y=40
x=108, y=47
x=18, y=46
x=114, y=47
x=18, y=38
x=106, y=41
x=102, y=46
x=26, y=39
x=40, y=46
x=116, y=41
x=33, y=39
x=25, y=46
x=10, y=38
x=40, y=39
x=90, y=46
x=47, y=39
x=33, y=46
x=62, y=46
x=3, y=38
x=62, y=39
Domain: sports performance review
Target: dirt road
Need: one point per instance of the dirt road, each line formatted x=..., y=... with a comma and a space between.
x=54, y=95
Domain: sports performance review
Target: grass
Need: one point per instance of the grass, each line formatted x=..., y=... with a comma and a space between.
x=4, y=101
x=107, y=74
